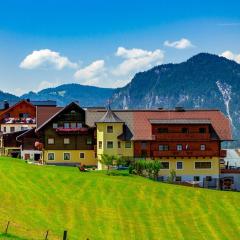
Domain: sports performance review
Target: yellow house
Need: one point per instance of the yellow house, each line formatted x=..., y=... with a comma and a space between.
x=113, y=137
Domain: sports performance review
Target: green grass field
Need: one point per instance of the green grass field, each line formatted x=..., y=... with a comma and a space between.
x=96, y=206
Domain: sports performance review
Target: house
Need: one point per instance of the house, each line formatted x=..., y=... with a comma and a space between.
x=66, y=138
x=21, y=116
x=185, y=141
x=9, y=146
x=230, y=170
x=113, y=137
x=30, y=147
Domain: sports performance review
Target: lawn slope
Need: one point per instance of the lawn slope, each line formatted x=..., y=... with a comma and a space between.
x=96, y=206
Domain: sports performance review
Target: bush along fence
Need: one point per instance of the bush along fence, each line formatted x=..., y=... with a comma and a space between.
x=11, y=230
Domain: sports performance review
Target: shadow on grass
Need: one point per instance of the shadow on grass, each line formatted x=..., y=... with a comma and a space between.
x=10, y=236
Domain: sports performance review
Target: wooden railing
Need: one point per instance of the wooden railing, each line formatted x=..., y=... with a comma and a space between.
x=185, y=153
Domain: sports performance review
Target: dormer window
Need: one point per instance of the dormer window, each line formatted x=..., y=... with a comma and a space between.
x=109, y=129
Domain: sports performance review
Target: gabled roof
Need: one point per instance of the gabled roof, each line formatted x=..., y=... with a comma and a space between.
x=110, y=117
x=15, y=105
x=43, y=113
x=58, y=113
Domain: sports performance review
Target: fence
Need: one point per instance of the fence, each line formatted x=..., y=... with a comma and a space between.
x=11, y=230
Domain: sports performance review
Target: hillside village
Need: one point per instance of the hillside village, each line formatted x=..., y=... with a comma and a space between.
x=186, y=142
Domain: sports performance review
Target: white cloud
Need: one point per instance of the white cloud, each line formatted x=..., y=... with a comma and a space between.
x=46, y=84
x=46, y=58
x=136, y=60
x=180, y=44
x=230, y=55
x=91, y=74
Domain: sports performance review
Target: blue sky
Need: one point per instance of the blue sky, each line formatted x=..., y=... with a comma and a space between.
x=104, y=43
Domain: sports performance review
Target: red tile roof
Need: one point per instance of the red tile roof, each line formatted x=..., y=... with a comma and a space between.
x=44, y=113
x=142, y=125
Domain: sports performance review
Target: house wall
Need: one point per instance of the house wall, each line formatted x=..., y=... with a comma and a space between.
x=104, y=137
x=6, y=127
x=89, y=157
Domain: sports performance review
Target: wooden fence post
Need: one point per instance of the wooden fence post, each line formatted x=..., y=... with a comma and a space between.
x=46, y=236
x=65, y=235
x=6, y=230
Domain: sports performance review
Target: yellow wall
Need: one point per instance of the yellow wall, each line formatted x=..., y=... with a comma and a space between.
x=104, y=136
x=189, y=166
x=89, y=157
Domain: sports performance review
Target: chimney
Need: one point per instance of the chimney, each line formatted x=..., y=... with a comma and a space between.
x=6, y=104
x=179, y=109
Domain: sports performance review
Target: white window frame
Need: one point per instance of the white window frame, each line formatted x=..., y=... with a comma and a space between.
x=107, y=145
x=52, y=142
x=109, y=126
x=83, y=155
x=69, y=156
x=202, y=168
x=202, y=146
x=64, y=141
x=168, y=165
x=53, y=156
x=182, y=165
x=178, y=145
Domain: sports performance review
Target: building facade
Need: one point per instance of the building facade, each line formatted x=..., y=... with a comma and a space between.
x=66, y=138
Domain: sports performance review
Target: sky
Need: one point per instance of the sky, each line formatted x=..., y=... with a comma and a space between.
x=105, y=43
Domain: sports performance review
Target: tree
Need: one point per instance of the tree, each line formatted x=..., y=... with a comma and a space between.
x=156, y=166
x=107, y=160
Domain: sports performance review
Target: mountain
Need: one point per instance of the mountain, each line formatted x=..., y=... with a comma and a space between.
x=64, y=94
x=203, y=81
x=9, y=97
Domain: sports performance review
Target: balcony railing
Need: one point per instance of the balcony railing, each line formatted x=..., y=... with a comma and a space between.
x=180, y=136
x=19, y=121
x=62, y=130
x=185, y=153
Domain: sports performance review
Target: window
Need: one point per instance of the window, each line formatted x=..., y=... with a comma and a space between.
x=202, y=130
x=100, y=144
x=119, y=144
x=12, y=129
x=73, y=125
x=128, y=144
x=165, y=165
x=163, y=147
x=196, y=178
x=109, y=144
x=203, y=165
x=4, y=129
x=179, y=147
x=66, y=156
x=66, y=141
x=179, y=165
x=178, y=178
x=163, y=130
x=89, y=141
x=143, y=145
x=184, y=130
x=79, y=125
x=24, y=128
x=66, y=125
x=203, y=147
x=82, y=155
x=55, y=125
x=51, y=156
x=50, y=140
x=208, y=178
x=110, y=129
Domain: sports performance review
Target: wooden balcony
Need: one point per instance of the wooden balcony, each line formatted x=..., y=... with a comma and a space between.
x=181, y=136
x=72, y=130
x=185, y=153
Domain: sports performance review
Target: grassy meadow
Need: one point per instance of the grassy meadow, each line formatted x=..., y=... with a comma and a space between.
x=96, y=206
